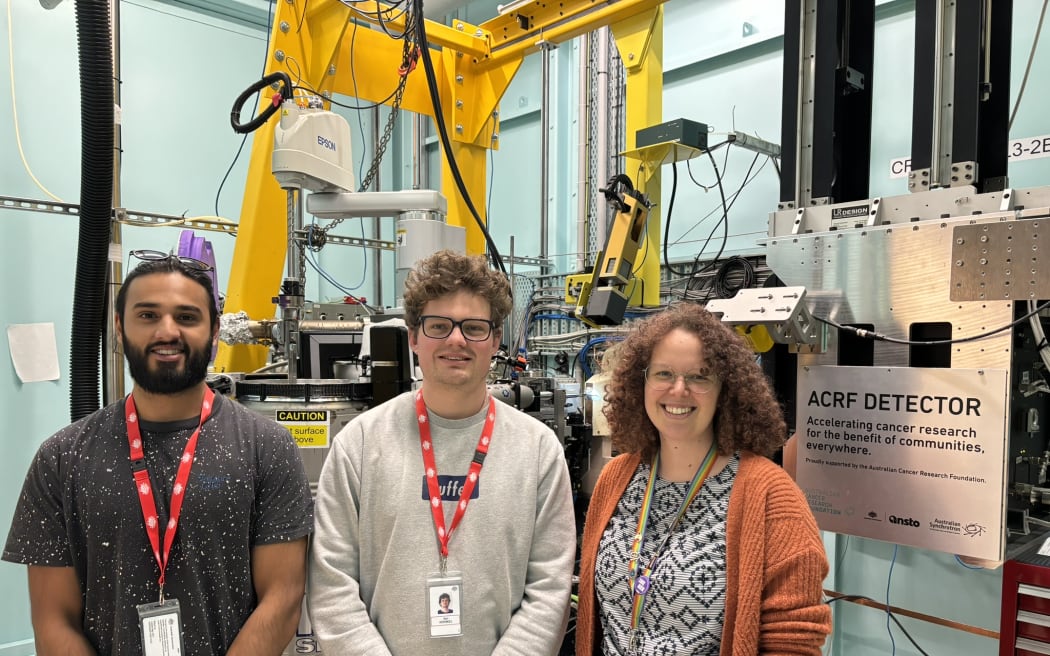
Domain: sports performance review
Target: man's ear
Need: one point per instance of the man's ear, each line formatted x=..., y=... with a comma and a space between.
x=119, y=328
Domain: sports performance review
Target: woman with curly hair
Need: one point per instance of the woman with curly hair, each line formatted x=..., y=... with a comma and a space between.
x=695, y=542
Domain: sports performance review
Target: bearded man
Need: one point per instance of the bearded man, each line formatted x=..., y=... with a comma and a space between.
x=174, y=520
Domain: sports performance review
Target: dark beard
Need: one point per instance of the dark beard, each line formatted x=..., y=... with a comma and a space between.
x=166, y=379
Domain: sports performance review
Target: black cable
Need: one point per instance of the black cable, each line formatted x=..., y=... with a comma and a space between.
x=725, y=160
x=887, y=611
x=360, y=123
x=611, y=193
x=353, y=77
x=724, y=221
x=382, y=23
x=492, y=170
x=732, y=201
x=303, y=87
x=244, y=139
x=645, y=250
x=1028, y=66
x=689, y=169
x=285, y=92
x=298, y=72
x=614, y=195
x=670, y=209
x=446, y=143
x=667, y=220
x=722, y=286
x=351, y=3
x=381, y=20
x=842, y=554
x=871, y=334
x=218, y=192
x=303, y=17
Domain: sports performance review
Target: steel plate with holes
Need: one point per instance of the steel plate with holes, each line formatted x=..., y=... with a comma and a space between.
x=891, y=277
x=1001, y=261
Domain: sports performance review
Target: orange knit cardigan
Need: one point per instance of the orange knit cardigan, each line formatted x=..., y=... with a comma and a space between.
x=775, y=562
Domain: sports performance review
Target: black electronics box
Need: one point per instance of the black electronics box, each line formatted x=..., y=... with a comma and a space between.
x=681, y=130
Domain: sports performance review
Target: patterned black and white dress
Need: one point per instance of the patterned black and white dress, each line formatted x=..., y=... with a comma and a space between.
x=685, y=606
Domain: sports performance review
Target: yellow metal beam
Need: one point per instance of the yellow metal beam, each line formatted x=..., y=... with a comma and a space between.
x=474, y=68
x=317, y=38
x=639, y=40
x=518, y=33
x=460, y=36
x=472, y=165
x=314, y=49
x=259, y=252
x=474, y=95
x=469, y=99
x=376, y=59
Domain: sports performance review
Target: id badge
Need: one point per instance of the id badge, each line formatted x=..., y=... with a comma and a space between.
x=445, y=604
x=161, y=626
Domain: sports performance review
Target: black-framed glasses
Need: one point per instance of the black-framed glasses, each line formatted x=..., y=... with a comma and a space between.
x=473, y=330
x=662, y=379
x=148, y=255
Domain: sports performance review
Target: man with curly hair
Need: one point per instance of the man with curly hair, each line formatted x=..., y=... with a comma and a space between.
x=443, y=488
x=695, y=542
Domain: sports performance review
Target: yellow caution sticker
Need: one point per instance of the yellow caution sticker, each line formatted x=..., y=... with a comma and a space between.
x=309, y=428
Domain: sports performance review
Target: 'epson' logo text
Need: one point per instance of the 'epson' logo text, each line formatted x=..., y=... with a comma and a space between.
x=327, y=143
x=905, y=521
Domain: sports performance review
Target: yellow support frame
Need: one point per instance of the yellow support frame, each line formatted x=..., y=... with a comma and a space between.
x=640, y=42
x=473, y=69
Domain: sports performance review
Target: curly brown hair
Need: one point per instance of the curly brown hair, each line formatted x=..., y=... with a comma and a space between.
x=747, y=416
x=447, y=272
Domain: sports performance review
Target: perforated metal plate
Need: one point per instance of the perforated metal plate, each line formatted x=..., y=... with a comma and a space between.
x=1001, y=261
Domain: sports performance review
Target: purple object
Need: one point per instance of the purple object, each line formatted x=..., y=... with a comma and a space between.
x=641, y=585
x=200, y=248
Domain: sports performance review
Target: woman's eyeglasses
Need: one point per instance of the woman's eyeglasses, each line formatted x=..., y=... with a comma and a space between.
x=661, y=380
x=154, y=256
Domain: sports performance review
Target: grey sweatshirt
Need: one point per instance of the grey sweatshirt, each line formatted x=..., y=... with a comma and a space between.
x=375, y=544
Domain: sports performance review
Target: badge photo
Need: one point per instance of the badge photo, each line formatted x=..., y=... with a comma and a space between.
x=445, y=605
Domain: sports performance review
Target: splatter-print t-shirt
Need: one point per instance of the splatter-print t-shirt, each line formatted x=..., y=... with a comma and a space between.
x=79, y=508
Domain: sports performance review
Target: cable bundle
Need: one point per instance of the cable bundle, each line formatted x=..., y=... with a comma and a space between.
x=735, y=274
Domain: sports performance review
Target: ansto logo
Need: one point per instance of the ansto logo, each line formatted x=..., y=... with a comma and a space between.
x=904, y=521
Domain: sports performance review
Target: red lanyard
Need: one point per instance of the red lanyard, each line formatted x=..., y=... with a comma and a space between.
x=432, y=477
x=145, y=489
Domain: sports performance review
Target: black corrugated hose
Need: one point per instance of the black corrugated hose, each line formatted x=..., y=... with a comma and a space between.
x=96, y=203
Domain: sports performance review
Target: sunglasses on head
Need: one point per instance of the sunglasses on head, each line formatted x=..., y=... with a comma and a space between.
x=154, y=256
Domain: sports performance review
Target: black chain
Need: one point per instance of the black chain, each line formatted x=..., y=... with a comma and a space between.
x=388, y=131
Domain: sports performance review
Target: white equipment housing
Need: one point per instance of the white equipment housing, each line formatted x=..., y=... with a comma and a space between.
x=421, y=226
x=312, y=150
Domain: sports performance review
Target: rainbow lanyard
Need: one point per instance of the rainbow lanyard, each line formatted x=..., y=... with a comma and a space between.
x=640, y=580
